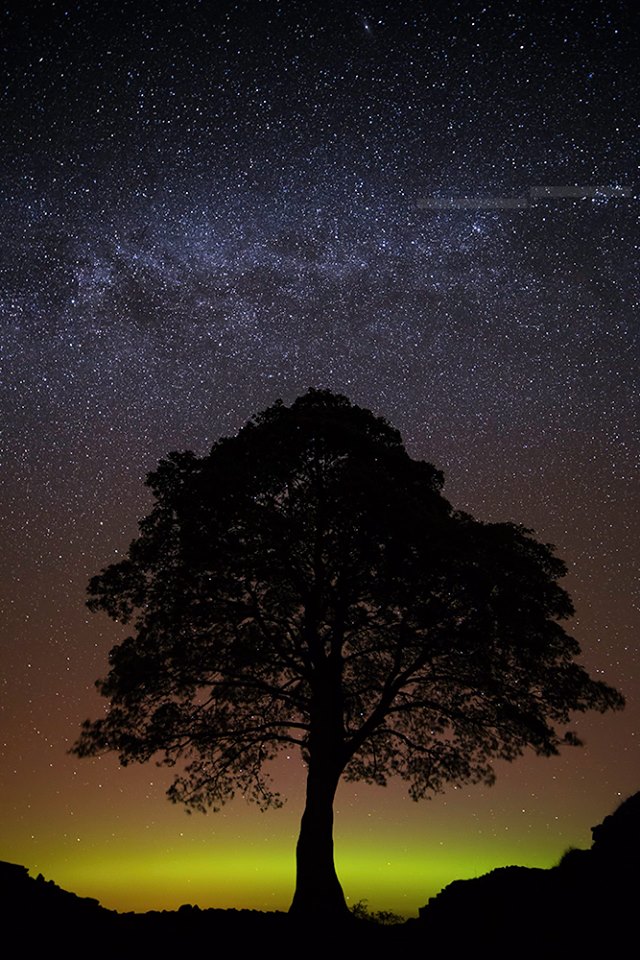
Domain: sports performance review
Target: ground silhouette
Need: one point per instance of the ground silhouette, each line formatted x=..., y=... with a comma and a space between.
x=584, y=906
x=588, y=900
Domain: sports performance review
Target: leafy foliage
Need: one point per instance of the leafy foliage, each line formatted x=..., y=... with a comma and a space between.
x=307, y=584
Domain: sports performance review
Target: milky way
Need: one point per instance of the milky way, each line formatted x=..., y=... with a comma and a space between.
x=430, y=207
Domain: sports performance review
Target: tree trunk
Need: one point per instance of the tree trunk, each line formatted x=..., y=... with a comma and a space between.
x=318, y=892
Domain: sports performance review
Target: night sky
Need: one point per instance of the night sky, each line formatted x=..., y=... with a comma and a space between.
x=431, y=207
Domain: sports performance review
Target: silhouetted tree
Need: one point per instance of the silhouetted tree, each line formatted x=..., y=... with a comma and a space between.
x=306, y=584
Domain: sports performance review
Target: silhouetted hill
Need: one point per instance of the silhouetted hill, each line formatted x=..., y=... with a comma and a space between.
x=617, y=839
x=583, y=907
x=586, y=902
x=37, y=915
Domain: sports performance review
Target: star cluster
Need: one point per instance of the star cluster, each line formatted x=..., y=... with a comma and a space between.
x=430, y=207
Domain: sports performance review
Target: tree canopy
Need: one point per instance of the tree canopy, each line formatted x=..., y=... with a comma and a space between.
x=307, y=584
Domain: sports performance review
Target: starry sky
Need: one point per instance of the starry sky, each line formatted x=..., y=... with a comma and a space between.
x=431, y=207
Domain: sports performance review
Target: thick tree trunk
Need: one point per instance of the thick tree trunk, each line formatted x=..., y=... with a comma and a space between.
x=318, y=892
